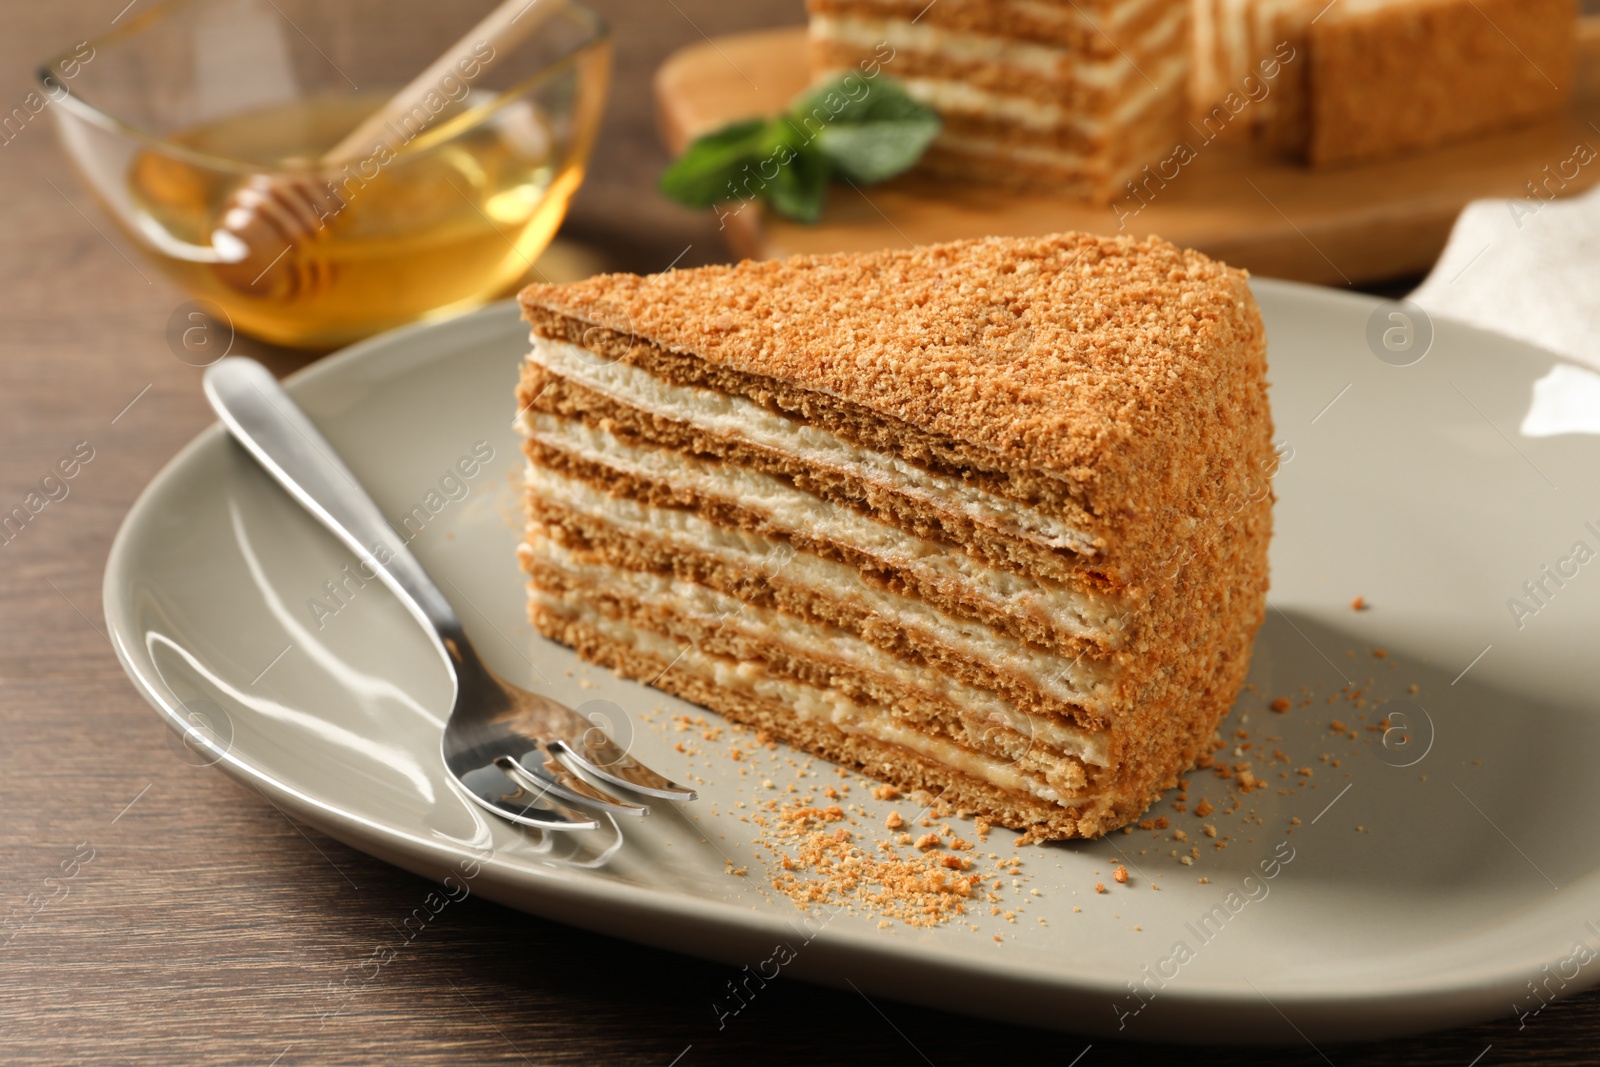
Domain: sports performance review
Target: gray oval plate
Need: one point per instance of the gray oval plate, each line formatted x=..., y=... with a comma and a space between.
x=1416, y=876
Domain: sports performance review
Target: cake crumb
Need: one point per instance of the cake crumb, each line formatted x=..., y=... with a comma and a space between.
x=1120, y=874
x=928, y=841
x=1099, y=887
x=815, y=860
x=885, y=792
x=1280, y=705
x=1358, y=604
x=894, y=821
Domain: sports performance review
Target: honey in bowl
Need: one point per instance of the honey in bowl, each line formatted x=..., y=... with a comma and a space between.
x=435, y=230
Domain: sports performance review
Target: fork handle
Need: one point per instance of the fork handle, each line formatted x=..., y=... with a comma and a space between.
x=273, y=429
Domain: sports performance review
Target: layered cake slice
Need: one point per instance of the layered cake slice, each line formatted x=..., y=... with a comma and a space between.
x=987, y=519
x=1366, y=79
x=1076, y=95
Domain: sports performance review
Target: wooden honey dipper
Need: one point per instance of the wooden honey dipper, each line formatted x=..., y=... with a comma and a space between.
x=271, y=215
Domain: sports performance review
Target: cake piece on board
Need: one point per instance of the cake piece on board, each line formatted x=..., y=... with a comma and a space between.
x=1073, y=95
x=1359, y=80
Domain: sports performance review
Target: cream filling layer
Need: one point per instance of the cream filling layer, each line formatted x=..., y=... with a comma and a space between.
x=980, y=710
x=793, y=510
x=1066, y=13
x=1071, y=681
x=949, y=96
x=1049, y=61
x=1092, y=168
x=809, y=703
x=744, y=420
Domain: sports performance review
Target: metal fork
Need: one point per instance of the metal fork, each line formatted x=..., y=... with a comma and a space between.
x=521, y=755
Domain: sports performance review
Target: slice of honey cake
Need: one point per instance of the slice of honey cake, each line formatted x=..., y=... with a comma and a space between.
x=1074, y=95
x=1369, y=79
x=988, y=519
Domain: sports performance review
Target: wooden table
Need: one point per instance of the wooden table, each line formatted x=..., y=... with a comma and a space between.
x=208, y=927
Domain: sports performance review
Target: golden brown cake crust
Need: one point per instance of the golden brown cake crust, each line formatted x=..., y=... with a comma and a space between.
x=1087, y=357
x=1489, y=64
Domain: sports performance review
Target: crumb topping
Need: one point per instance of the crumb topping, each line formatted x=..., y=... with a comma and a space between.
x=1078, y=354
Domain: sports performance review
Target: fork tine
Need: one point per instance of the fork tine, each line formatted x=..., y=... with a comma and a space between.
x=492, y=788
x=551, y=777
x=624, y=771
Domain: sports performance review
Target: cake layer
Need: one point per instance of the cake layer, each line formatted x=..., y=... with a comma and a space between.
x=973, y=152
x=742, y=499
x=1060, y=122
x=608, y=336
x=1054, y=123
x=805, y=716
x=985, y=164
x=912, y=697
x=1232, y=37
x=1154, y=112
x=1078, y=692
x=710, y=422
x=1087, y=27
x=1072, y=81
x=836, y=589
x=1102, y=65
x=915, y=509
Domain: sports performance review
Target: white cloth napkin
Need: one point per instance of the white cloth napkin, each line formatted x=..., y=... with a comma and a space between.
x=1526, y=268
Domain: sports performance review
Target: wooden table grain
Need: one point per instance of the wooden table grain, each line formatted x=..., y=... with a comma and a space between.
x=201, y=925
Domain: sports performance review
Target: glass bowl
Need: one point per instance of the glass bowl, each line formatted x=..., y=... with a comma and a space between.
x=197, y=110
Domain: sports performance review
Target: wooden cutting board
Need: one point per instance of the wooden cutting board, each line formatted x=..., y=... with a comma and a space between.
x=1237, y=202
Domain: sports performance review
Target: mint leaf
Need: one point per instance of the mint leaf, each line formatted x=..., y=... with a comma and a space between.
x=866, y=130
x=853, y=99
x=801, y=187
x=877, y=151
x=754, y=159
x=702, y=175
x=869, y=130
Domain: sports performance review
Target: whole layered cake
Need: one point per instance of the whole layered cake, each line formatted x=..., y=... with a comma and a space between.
x=987, y=519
